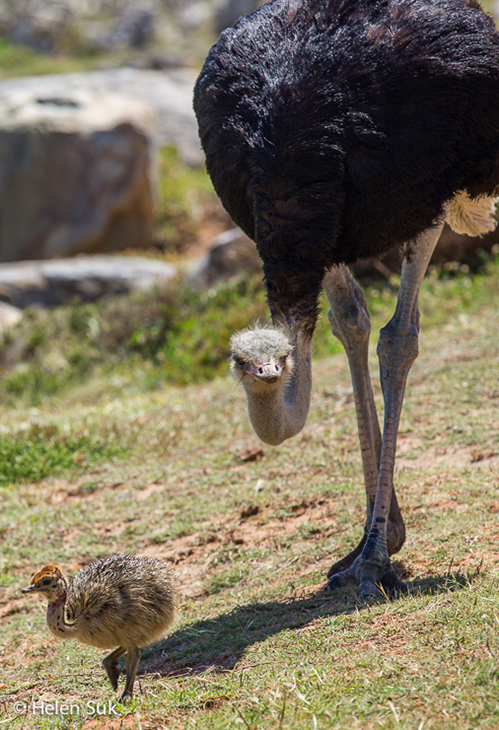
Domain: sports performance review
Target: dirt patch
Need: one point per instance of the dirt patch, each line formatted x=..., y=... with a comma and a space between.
x=9, y=607
x=83, y=489
x=119, y=724
x=437, y=455
x=193, y=554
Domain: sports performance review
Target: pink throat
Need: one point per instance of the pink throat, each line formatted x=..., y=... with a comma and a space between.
x=59, y=601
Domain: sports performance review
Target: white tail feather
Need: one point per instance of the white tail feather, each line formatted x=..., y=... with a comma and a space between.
x=473, y=216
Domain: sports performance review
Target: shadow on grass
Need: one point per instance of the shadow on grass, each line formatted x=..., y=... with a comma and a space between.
x=444, y=583
x=219, y=643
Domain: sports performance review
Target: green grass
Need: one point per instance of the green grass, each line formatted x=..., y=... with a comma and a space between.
x=113, y=465
x=20, y=60
x=38, y=451
x=185, y=198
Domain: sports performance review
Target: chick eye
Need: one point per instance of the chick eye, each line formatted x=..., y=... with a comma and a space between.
x=46, y=581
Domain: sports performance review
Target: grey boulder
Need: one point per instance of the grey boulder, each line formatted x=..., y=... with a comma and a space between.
x=75, y=172
x=83, y=278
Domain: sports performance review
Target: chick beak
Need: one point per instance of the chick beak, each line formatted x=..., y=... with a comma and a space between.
x=29, y=589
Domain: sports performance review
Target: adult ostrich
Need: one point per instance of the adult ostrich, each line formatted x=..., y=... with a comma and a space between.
x=336, y=130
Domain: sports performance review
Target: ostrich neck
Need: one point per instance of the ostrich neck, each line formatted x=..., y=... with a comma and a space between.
x=56, y=618
x=279, y=411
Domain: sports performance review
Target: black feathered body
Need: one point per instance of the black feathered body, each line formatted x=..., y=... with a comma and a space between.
x=124, y=600
x=339, y=129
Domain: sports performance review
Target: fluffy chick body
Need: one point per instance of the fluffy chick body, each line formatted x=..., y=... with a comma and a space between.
x=125, y=601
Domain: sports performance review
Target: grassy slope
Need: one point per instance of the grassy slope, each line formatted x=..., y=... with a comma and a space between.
x=159, y=471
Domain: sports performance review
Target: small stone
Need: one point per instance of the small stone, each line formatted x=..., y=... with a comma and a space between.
x=252, y=453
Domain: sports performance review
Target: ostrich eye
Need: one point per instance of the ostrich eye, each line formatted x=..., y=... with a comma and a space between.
x=46, y=581
x=238, y=360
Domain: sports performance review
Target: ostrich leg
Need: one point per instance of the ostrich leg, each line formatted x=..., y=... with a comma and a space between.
x=397, y=350
x=351, y=324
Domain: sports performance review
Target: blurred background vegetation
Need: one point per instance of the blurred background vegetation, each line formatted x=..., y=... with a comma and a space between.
x=57, y=36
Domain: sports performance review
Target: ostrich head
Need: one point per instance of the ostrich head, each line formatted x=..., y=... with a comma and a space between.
x=261, y=356
x=276, y=376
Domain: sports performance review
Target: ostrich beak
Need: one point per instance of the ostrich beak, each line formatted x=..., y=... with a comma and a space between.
x=29, y=589
x=268, y=372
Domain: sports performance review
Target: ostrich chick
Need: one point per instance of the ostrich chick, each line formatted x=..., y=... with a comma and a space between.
x=125, y=601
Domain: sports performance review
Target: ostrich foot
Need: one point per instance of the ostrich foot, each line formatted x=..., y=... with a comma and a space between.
x=342, y=565
x=110, y=664
x=373, y=581
x=395, y=540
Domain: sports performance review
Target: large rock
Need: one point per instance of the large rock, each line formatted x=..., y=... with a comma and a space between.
x=75, y=173
x=84, y=278
x=167, y=93
x=230, y=253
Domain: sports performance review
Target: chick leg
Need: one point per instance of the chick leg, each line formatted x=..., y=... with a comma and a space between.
x=110, y=664
x=131, y=663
